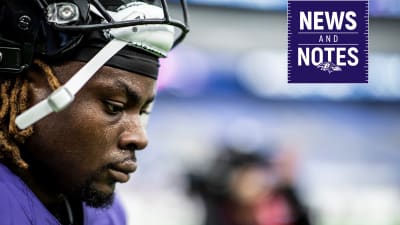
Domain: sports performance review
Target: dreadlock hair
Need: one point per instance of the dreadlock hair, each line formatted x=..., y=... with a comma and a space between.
x=14, y=99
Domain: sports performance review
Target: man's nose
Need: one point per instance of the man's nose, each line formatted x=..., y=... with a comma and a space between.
x=134, y=136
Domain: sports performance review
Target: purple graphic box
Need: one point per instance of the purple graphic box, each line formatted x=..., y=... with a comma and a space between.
x=327, y=41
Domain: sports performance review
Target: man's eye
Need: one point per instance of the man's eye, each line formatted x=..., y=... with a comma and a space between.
x=144, y=117
x=114, y=107
x=147, y=109
x=145, y=112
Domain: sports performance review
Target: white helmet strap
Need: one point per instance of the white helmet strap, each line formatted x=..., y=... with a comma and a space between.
x=65, y=94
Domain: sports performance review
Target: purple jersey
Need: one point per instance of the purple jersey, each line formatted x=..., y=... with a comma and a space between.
x=19, y=206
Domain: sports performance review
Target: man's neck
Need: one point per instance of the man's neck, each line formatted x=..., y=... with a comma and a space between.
x=58, y=204
x=70, y=213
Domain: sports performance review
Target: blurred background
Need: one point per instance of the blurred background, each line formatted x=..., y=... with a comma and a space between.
x=335, y=146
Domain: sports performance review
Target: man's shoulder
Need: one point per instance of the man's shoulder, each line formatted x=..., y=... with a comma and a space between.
x=10, y=211
x=8, y=186
x=5, y=196
x=18, y=205
x=4, y=190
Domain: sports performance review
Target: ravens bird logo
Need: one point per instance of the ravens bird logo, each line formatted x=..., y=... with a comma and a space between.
x=329, y=67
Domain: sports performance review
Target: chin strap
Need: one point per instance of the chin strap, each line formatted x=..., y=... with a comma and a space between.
x=65, y=94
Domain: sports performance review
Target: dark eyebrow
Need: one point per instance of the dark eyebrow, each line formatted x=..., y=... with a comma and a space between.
x=131, y=94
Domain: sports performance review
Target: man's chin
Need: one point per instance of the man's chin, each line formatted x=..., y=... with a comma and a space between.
x=95, y=198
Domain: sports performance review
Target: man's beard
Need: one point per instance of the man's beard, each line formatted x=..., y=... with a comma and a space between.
x=85, y=192
x=95, y=198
